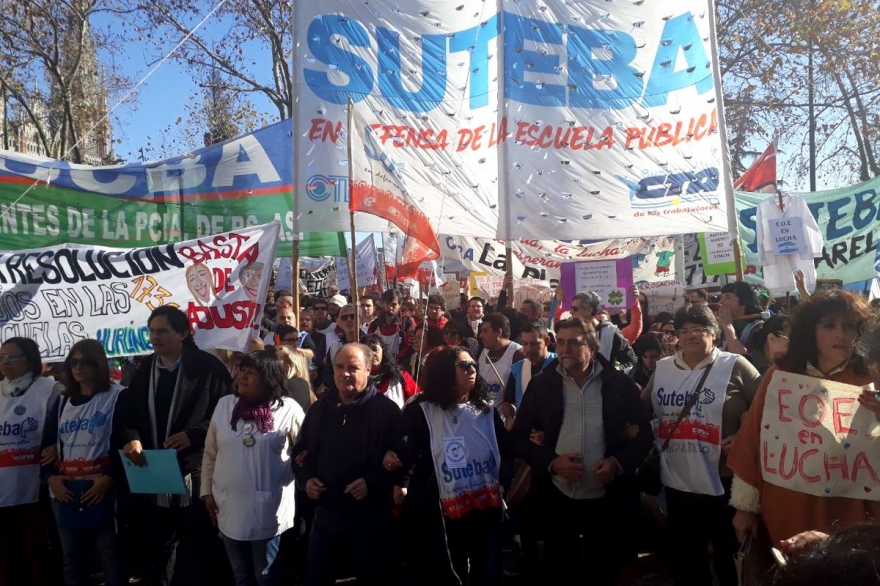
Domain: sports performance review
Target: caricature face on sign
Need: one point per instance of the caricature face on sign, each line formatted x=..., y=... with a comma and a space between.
x=250, y=279
x=198, y=281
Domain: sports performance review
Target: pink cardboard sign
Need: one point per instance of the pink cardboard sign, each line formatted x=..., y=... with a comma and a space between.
x=610, y=279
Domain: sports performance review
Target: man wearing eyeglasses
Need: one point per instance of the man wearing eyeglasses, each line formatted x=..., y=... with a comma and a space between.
x=570, y=429
x=612, y=344
x=345, y=334
x=436, y=312
x=323, y=323
x=285, y=317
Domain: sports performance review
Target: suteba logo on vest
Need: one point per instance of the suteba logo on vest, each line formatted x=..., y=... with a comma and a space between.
x=474, y=468
x=20, y=429
x=676, y=399
x=83, y=423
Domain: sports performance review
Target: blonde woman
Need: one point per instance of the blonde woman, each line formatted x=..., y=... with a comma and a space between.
x=297, y=385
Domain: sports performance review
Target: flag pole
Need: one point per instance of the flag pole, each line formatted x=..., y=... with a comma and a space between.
x=294, y=278
x=352, y=267
x=726, y=171
x=294, y=177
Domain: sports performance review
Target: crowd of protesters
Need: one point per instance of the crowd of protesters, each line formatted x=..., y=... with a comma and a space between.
x=419, y=447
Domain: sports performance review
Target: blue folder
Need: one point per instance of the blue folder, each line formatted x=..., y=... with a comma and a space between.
x=161, y=475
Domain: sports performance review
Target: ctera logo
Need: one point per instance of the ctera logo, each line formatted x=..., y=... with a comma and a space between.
x=323, y=187
x=688, y=186
x=19, y=429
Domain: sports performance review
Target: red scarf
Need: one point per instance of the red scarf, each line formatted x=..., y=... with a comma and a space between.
x=256, y=411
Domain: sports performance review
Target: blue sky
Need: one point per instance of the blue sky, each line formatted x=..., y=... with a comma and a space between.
x=163, y=97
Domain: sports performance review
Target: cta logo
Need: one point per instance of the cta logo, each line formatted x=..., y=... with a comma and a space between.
x=323, y=187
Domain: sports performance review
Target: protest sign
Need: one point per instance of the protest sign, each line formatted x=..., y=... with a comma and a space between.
x=716, y=248
x=242, y=182
x=787, y=235
x=668, y=296
x=451, y=291
x=610, y=279
x=59, y=295
x=847, y=217
x=531, y=289
x=489, y=287
x=817, y=439
x=367, y=265
x=600, y=127
x=317, y=281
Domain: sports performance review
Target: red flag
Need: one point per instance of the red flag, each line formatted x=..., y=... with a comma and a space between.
x=377, y=188
x=761, y=176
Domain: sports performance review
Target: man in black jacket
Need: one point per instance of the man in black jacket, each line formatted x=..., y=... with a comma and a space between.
x=341, y=446
x=576, y=428
x=169, y=405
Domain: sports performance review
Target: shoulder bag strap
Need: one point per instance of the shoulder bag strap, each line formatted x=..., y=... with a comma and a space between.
x=689, y=405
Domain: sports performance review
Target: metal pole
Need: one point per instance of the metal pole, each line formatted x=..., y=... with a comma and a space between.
x=294, y=278
x=812, y=116
x=352, y=269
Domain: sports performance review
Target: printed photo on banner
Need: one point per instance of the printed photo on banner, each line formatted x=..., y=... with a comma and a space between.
x=817, y=439
x=62, y=294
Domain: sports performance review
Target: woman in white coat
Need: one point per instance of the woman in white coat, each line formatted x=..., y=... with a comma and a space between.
x=247, y=479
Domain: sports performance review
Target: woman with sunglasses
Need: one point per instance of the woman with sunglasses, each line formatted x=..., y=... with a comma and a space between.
x=712, y=389
x=247, y=480
x=26, y=400
x=458, y=333
x=824, y=334
x=392, y=381
x=83, y=480
x=453, y=505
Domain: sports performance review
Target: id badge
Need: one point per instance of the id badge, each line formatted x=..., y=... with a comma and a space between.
x=456, y=452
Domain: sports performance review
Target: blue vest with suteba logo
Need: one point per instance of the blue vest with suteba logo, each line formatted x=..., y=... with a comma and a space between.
x=516, y=371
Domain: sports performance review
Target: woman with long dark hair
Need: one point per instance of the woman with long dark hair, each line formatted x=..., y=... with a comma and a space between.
x=453, y=504
x=649, y=348
x=386, y=374
x=26, y=399
x=88, y=468
x=459, y=333
x=825, y=331
x=768, y=342
x=247, y=478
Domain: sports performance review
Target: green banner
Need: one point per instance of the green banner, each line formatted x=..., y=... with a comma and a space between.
x=243, y=182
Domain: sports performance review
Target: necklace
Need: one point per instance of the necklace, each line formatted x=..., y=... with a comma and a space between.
x=455, y=415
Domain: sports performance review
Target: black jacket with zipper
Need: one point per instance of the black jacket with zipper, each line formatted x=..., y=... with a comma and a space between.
x=543, y=408
x=205, y=380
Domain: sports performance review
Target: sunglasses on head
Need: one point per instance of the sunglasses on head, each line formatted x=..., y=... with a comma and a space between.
x=466, y=365
x=81, y=362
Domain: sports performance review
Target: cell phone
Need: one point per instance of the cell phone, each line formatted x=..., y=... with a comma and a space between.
x=779, y=557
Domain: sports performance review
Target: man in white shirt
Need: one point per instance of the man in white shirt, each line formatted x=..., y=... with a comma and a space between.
x=498, y=356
